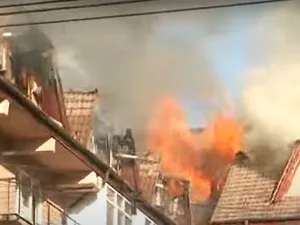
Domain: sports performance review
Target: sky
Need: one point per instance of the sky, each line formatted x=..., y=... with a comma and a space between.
x=227, y=55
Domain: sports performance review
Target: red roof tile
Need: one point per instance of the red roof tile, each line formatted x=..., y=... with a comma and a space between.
x=80, y=109
x=247, y=195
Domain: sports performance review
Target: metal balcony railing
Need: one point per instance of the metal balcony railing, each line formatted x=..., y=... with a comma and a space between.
x=23, y=202
x=56, y=216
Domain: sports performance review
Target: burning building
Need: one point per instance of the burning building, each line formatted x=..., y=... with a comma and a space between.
x=182, y=173
x=27, y=60
x=165, y=192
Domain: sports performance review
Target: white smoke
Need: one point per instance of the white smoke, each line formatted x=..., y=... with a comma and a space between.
x=270, y=96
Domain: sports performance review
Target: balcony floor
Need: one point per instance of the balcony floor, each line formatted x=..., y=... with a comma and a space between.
x=12, y=219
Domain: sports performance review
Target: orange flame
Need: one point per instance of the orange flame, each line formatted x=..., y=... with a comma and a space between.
x=181, y=150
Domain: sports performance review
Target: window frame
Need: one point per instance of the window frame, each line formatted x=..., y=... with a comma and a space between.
x=34, y=210
x=149, y=222
x=119, y=204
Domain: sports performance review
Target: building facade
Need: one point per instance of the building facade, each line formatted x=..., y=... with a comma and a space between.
x=46, y=171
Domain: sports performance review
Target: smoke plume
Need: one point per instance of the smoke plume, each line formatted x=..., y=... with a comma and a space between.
x=133, y=62
x=133, y=66
x=269, y=98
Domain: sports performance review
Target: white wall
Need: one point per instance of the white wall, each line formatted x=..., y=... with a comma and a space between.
x=140, y=219
x=93, y=211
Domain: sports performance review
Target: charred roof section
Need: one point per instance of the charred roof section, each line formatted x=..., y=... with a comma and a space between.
x=32, y=51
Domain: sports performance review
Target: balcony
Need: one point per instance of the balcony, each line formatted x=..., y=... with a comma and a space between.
x=55, y=216
x=38, y=93
x=21, y=203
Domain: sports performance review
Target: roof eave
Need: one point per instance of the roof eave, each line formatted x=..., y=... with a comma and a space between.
x=83, y=154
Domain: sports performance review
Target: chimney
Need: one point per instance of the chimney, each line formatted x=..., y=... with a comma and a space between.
x=241, y=158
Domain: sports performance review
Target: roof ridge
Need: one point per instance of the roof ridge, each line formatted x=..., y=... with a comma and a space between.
x=80, y=90
x=287, y=175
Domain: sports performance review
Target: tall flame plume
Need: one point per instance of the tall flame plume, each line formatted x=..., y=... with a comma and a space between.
x=183, y=152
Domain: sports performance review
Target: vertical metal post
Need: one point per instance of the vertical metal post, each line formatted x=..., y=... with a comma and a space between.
x=8, y=196
x=109, y=140
x=48, y=214
x=19, y=194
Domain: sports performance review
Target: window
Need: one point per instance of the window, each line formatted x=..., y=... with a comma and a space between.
x=110, y=195
x=31, y=198
x=38, y=203
x=149, y=222
x=128, y=208
x=119, y=209
x=26, y=190
x=110, y=214
x=128, y=221
x=120, y=217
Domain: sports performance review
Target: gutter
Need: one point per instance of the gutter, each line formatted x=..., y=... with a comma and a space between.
x=83, y=154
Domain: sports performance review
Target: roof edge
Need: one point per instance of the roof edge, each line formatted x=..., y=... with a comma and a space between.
x=287, y=176
x=60, y=101
x=81, y=90
x=258, y=219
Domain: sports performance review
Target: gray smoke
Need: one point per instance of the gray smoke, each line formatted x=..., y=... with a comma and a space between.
x=132, y=69
x=270, y=96
x=135, y=61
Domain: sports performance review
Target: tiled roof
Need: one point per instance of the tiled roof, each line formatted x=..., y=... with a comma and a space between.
x=80, y=109
x=247, y=195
